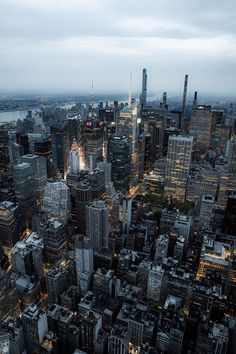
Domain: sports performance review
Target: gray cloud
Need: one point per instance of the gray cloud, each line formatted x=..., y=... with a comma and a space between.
x=61, y=45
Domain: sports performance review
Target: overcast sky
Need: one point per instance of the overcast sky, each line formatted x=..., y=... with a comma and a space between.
x=62, y=45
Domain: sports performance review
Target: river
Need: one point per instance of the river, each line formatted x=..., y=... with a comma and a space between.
x=15, y=115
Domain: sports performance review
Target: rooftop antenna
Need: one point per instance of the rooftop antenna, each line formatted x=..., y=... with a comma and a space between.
x=130, y=86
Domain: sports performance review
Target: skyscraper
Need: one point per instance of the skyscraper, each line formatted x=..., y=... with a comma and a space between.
x=74, y=158
x=4, y=157
x=93, y=142
x=35, y=326
x=84, y=262
x=39, y=169
x=56, y=201
x=200, y=126
x=10, y=224
x=82, y=198
x=143, y=97
x=120, y=159
x=177, y=167
x=97, y=224
x=25, y=188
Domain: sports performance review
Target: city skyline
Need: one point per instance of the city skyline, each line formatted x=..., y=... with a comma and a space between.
x=61, y=46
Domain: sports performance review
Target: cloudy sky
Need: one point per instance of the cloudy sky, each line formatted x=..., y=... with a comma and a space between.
x=62, y=45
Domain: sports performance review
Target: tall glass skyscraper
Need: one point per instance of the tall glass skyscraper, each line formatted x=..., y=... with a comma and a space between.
x=177, y=166
x=119, y=155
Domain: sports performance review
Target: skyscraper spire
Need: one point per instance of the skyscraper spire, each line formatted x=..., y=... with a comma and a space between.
x=144, y=88
x=184, y=102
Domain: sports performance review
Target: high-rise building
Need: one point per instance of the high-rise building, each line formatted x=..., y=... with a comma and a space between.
x=126, y=213
x=84, y=263
x=60, y=147
x=120, y=159
x=39, y=169
x=10, y=224
x=90, y=324
x=93, y=142
x=74, y=158
x=56, y=201
x=59, y=278
x=155, y=279
x=143, y=96
x=4, y=155
x=206, y=211
x=35, y=327
x=177, y=166
x=183, y=113
x=82, y=198
x=8, y=296
x=54, y=239
x=183, y=225
x=97, y=224
x=230, y=214
x=200, y=126
x=27, y=258
x=96, y=179
x=25, y=188
x=232, y=161
x=128, y=125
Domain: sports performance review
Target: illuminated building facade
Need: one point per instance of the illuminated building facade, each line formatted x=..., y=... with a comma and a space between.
x=93, y=142
x=200, y=126
x=177, y=166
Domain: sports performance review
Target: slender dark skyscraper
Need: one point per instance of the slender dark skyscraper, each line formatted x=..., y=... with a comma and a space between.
x=184, y=101
x=144, y=88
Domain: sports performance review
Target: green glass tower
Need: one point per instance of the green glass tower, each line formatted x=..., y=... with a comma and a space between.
x=119, y=155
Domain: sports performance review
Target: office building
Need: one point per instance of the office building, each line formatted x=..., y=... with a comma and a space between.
x=10, y=224
x=54, y=239
x=126, y=213
x=9, y=301
x=59, y=320
x=206, y=211
x=97, y=224
x=4, y=156
x=74, y=158
x=155, y=279
x=119, y=155
x=82, y=198
x=93, y=142
x=56, y=201
x=90, y=325
x=13, y=328
x=25, y=188
x=177, y=166
x=96, y=180
x=35, y=325
x=231, y=154
x=60, y=147
x=200, y=126
x=39, y=169
x=84, y=263
x=59, y=278
x=183, y=226
x=118, y=340
x=27, y=257
x=230, y=214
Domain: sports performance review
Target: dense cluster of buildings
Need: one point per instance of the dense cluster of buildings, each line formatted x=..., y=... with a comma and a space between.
x=118, y=229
